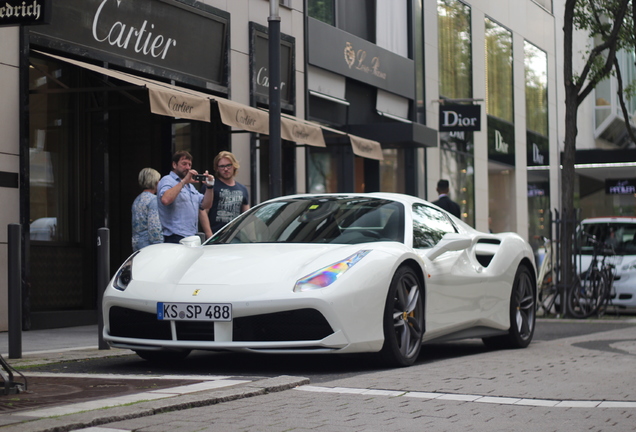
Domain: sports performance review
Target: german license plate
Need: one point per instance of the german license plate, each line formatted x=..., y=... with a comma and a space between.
x=194, y=311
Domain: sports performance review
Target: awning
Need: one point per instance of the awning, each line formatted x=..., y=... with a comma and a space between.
x=165, y=99
x=180, y=102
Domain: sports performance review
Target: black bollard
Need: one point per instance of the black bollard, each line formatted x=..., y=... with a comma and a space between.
x=15, y=291
x=103, y=270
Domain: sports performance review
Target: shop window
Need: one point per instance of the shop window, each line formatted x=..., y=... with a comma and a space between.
x=322, y=171
x=392, y=168
x=458, y=167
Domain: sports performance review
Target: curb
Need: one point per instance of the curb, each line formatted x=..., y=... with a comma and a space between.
x=143, y=409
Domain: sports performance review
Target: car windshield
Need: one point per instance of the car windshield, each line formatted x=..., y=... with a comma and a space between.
x=618, y=235
x=315, y=219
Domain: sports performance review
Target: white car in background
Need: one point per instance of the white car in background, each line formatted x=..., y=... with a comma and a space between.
x=620, y=233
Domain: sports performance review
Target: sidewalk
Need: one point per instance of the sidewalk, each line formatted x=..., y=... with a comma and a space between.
x=78, y=343
x=588, y=371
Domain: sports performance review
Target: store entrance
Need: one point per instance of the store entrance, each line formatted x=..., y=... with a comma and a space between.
x=88, y=141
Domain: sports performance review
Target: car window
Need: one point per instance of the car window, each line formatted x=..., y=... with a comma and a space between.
x=429, y=226
x=621, y=236
x=329, y=219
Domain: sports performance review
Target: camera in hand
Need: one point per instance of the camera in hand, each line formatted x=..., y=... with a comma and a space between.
x=200, y=177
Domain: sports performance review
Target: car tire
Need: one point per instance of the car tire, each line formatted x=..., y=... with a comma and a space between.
x=403, y=319
x=163, y=356
x=522, y=313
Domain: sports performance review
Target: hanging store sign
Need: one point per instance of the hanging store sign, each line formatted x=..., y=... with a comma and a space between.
x=620, y=186
x=459, y=118
x=144, y=35
x=259, y=56
x=25, y=12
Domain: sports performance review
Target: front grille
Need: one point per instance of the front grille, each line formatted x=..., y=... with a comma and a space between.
x=195, y=331
x=131, y=323
x=295, y=325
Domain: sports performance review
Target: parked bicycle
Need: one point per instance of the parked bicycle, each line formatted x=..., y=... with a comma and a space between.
x=548, y=298
x=592, y=289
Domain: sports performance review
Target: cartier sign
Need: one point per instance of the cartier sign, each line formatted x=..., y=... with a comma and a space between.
x=24, y=12
x=259, y=54
x=168, y=38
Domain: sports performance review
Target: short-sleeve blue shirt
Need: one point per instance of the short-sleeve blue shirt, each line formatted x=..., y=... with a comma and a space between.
x=182, y=216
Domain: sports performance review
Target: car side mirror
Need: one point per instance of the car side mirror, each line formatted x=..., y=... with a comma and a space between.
x=192, y=241
x=450, y=242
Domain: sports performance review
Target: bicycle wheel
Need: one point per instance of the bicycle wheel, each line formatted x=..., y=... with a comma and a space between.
x=605, y=296
x=548, y=298
x=584, y=298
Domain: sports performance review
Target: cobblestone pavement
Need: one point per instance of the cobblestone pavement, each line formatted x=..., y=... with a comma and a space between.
x=577, y=383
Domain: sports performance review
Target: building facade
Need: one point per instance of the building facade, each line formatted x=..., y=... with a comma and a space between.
x=376, y=95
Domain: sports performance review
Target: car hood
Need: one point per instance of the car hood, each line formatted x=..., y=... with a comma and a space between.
x=231, y=264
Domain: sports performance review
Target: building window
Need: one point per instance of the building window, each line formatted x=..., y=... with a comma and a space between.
x=536, y=66
x=499, y=84
x=455, y=47
x=455, y=82
x=323, y=10
x=538, y=145
x=392, y=26
x=355, y=17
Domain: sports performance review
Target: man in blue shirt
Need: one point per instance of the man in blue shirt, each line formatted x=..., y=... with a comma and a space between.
x=179, y=201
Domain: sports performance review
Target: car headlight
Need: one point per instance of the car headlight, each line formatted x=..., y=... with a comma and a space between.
x=328, y=275
x=630, y=266
x=124, y=274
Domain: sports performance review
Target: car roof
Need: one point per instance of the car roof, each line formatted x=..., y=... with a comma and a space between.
x=609, y=219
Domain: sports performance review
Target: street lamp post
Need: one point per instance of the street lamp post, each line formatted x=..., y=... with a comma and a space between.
x=275, y=170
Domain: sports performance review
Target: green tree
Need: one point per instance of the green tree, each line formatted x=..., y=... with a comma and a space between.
x=610, y=27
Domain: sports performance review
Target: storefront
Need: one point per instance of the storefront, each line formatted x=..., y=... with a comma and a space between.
x=357, y=86
x=103, y=103
x=111, y=87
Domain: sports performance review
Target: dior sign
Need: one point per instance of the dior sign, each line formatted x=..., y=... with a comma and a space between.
x=459, y=118
x=22, y=12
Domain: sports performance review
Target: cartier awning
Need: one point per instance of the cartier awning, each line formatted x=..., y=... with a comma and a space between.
x=165, y=99
x=180, y=102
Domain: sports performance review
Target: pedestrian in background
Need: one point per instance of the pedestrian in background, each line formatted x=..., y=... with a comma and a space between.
x=230, y=196
x=444, y=200
x=146, y=226
x=179, y=201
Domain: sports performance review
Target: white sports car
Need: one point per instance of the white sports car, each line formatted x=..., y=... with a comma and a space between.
x=334, y=273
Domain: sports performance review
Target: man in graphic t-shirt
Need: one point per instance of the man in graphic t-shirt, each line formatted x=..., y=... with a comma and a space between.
x=230, y=197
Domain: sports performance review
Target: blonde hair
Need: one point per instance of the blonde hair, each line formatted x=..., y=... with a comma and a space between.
x=228, y=155
x=148, y=178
